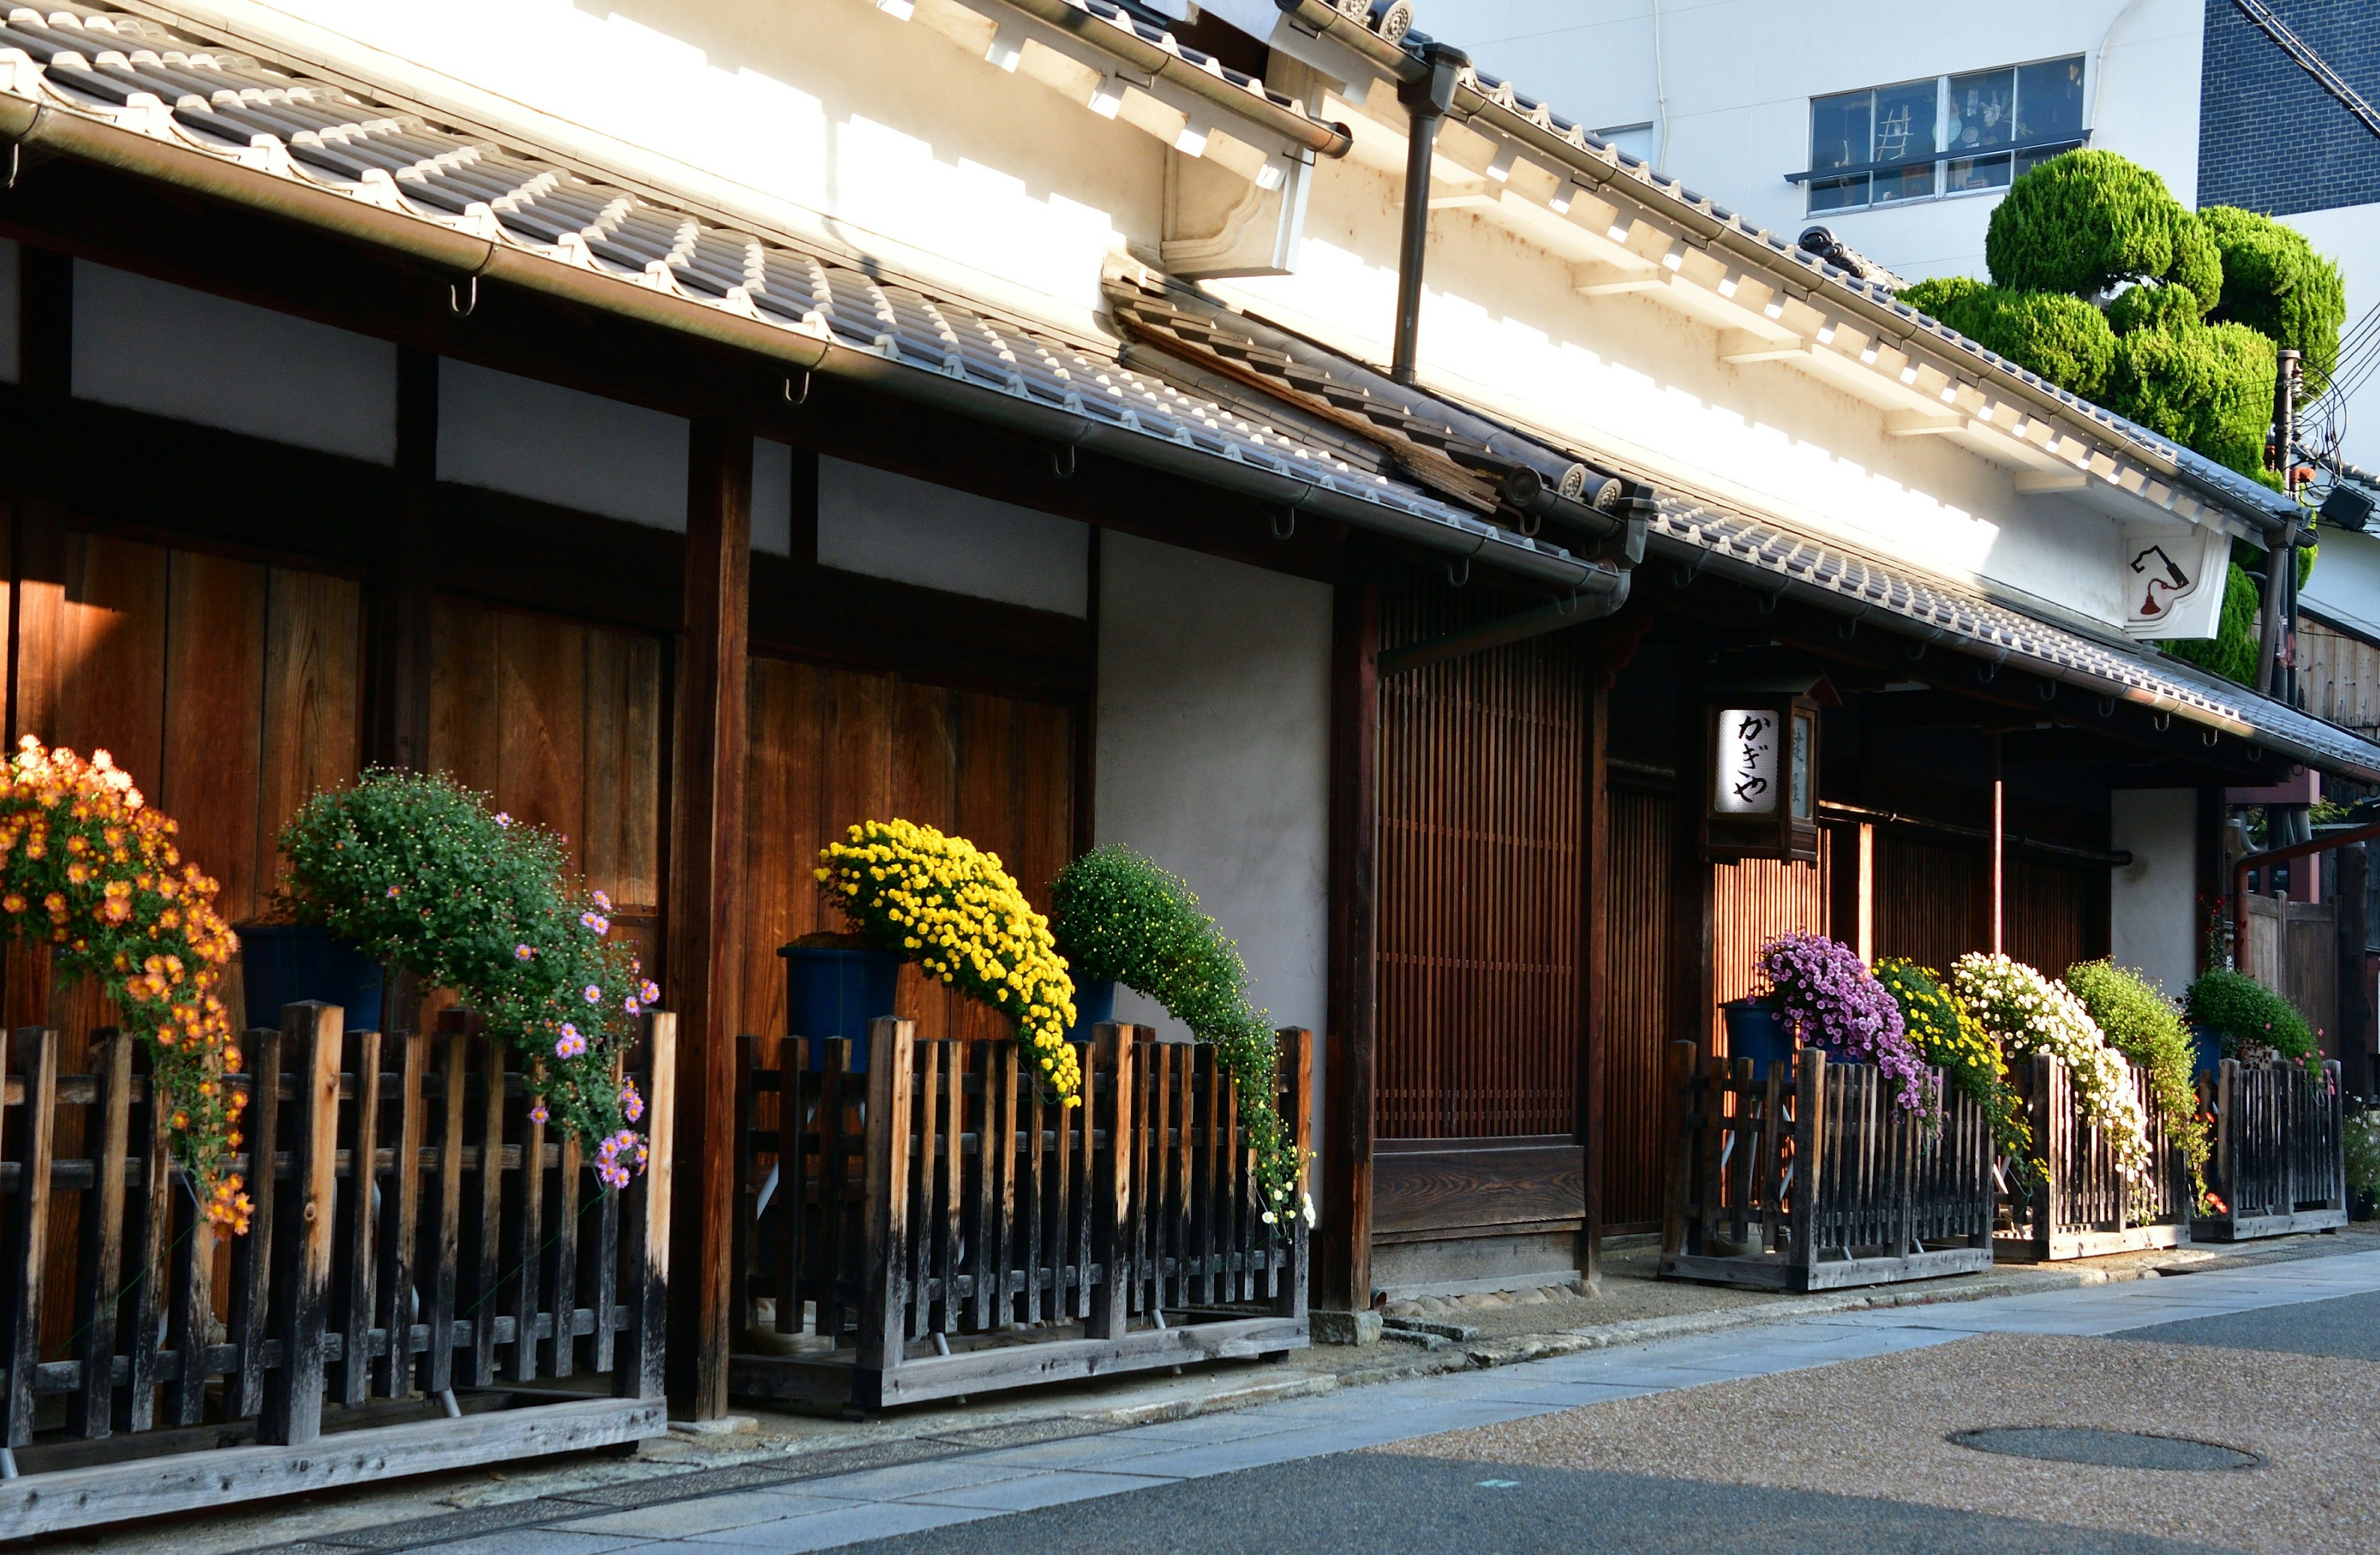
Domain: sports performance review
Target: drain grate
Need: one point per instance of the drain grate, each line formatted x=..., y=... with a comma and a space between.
x=2066, y=1445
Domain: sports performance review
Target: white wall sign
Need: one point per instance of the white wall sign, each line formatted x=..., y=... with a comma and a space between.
x=1745, y=771
x=2173, y=583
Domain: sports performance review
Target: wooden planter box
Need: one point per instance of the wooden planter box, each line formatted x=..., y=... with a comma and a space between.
x=2081, y=1207
x=952, y=1233
x=371, y=1324
x=1819, y=1182
x=2281, y=1151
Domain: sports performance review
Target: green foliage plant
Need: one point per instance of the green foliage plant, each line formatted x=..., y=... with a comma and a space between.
x=2249, y=1015
x=1949, y=1037
x=2087, y=221
x=2064, y=339
x=2207, y=386
x=2231, y=652
x=2363, y=1132
x=2275, y=284
x=1121, y=917
x=2147, y=1029
x=418, y=870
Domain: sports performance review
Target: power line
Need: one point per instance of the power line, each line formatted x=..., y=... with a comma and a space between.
x=2309, y=62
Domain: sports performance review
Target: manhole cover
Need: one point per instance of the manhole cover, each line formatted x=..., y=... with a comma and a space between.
x=2110, y=1448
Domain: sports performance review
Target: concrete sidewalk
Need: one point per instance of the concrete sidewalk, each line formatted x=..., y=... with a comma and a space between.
x=1490, y=1338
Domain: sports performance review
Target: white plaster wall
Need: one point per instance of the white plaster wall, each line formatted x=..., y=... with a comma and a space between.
x=1739, y=76
x=885, y=524
x=2153, y=901
x=2350, y=234
x=1213, y=753
x=2346, y=582
x=772, y=497
x=558, y=445
x=147, y=345
x=7, y=311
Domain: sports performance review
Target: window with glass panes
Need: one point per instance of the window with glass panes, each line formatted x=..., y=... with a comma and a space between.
x=1946, y=135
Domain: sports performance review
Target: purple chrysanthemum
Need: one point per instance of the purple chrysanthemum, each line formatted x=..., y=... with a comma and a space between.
x=1828, y=999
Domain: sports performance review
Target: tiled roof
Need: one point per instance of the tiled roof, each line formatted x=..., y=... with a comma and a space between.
x=1765, y=552
x=1769, y=556
x=138, y=76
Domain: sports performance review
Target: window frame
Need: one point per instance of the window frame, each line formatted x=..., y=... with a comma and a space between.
x=1866, y=173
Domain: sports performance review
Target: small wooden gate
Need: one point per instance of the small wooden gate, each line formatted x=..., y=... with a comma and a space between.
x=1822, y=1180
x=2080, y=1205
x=954, y=1232
x=420, y=1250
x=2281, y=1151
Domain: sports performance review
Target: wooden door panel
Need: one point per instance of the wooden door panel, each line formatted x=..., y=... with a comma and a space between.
x=1425, y=1188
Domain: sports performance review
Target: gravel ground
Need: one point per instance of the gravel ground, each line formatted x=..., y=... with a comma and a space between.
x=1876, y=1428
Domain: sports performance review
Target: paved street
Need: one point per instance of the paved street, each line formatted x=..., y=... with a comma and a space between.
x=1786, y=1437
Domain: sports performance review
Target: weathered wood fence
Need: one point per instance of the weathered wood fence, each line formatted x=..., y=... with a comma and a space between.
x=936, y=1228
x=1819, y=1181
x=2281, y=1151
x=2079, y=1205
x=420, y=1250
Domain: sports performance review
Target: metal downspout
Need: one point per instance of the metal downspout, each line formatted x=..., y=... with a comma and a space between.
x=2280, y=561
x=1426, y=101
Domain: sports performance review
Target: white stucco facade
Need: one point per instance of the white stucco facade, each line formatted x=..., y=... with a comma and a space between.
x=2153, y=901
x=908, y=148
x=1213, y=753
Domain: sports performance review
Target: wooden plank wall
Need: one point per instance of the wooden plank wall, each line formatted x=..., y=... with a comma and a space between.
x=1482, y=887
x=229, y=688
x=1641, y=1015
x=561, y=721
x=1751, y=902
x=832, y=746
x=2341, y=676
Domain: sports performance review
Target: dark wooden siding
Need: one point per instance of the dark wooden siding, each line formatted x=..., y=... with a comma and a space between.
x=1933, y=904
x=1752, y=902
x=1641, y=1016
x=833, y=746
x=1481, y=886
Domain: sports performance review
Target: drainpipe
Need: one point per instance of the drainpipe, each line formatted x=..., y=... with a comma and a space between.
x=1426, y=99
x=2281, y=560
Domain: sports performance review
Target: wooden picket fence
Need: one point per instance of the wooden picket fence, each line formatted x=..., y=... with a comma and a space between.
x=936, y=1228
x=1819, y=1181
x=2079, y=1205
x=371, y=1324
x=2280, y=1150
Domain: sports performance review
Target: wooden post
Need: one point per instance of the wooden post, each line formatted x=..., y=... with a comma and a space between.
x=1593, y=1134
x=1678, y=1103
x=157, y=1205
x=292, y=1415
x=882, y=1333
x=398, y=1272
x=2355, y=1012
x=707, y=922
x=1295, y=1058
x=1114, y=1049
x=2000, y=844
x=641, y=1373
x=29, y=1228
x=2048, y=1138
x=1343, y=1260
x=361, y=1254
x=1809, y=1148
x=102, y=1237
x=1866, y=930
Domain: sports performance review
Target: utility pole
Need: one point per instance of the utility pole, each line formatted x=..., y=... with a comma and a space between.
x=2281, y=560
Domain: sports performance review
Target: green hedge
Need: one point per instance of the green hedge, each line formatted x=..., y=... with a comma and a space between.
x=2275, y=284
x=2232, y=651
x=2083, y=221
x=2207, y=386
x=2062, y=338
x=2146, y=1028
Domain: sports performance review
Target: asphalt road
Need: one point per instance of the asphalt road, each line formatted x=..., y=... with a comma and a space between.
x=1430, y=1506
x=1423, y=1506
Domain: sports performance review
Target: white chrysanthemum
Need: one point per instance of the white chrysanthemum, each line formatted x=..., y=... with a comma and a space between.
x=2033, y=1015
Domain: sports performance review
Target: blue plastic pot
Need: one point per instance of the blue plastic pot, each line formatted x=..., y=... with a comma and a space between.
x=832, y=993
x=1756, y=1031
x=289, y=962
x=2209, y=1059
x=1094, y=1004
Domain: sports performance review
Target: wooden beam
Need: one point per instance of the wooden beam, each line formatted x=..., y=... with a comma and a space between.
x=707, y=918
x=1342, y=1252
x=401, y=587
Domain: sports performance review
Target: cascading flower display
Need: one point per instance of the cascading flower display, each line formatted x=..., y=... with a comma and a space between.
x=1126, y=919
x=89, y=867
x=948, y=905
x=2029, y=1014
x=1948, y=1036
x=417, y=870
x=1828, y=999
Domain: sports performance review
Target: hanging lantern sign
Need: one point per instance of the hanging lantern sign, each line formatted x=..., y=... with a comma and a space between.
x=1760, y=798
